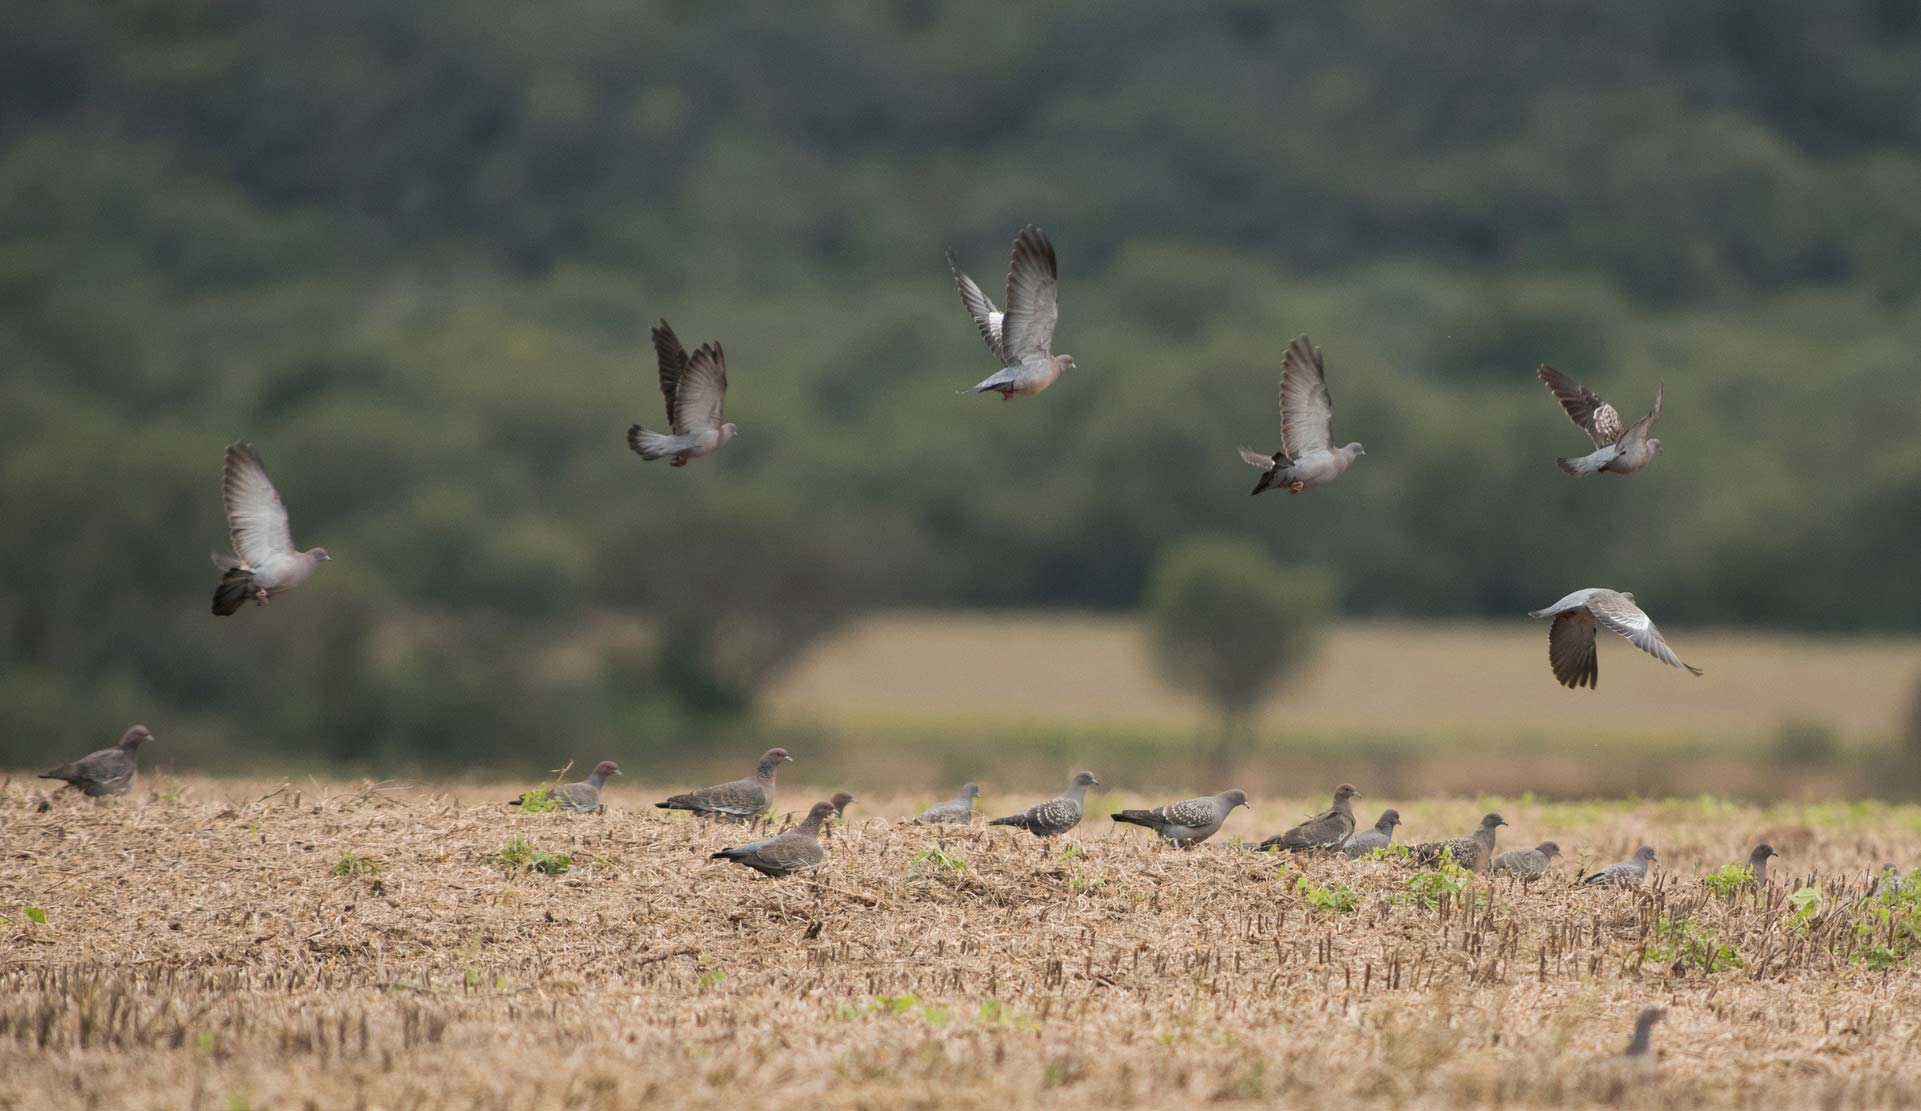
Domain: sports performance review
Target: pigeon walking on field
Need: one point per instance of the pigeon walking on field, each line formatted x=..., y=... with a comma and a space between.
x=1187, y=823
x=109, y=771
x=738, y=800
x=1526, y=864
x=1022, y=338
x=1570, y=639
x=696, y=390
x=1628, y=873
x=958, y=810
x=582, y=797
x=1324, y=831
x=787, y=852
x=839, y=803
x=1056, y=815
x=1617, y=450
x=1308, y=456
x=1758, y=863
x=1380, y=836
x=1889, y=882
x=264, y=561
x=1472, y=852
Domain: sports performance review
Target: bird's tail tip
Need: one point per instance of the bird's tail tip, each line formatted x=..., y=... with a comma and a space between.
x=1575, y=467
x=236, y=586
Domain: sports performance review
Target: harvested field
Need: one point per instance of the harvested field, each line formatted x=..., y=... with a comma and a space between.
x=226, y=945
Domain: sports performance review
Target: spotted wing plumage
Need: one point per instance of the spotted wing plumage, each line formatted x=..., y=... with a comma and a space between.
x=1601, y=421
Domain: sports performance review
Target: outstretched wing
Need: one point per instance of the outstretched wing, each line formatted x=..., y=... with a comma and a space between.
x=1307, y=411
x=673, y=364
x=986, y=317
x=256, y=521
x=1638, y=431
x=702, y=391
x=1595, y=417
x=1618, y=613
x=1570, y=649
x=1033, y=299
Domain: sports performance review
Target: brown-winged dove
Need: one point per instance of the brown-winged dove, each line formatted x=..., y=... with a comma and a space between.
x=1190, y=822
x=264, y=561
x=1324, y=831
x=696, y=391
x=1570, y=639
x=1758, y=863
x=1056, y=815
x=1022, y=338
x=958, y=810
x=737, y=800
x=1617, y=449
x=1471, y=852
x=582, y=797
x=1379, y=836
x=109, y=771
x=1526, y=864
x=1627, y=873
x=787, y=852
x=1308, y=456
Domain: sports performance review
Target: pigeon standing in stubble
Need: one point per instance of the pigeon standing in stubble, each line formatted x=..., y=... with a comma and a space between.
x=1380, y=836
x=1324, y=831
x=1056, y=815
x=696, y=391
x=1472, y=852
x=1758, y=863
x=109, y=771
x=1190, y=822
x=1617, y=450
x=582, y=797
x=1570, y=639
x=1526, y=864
x=737, y=800
x=1628, y=873
x=1308, y=456
x=264, y=561
x=1022, y=338
x=787, y=852
x=958, y=810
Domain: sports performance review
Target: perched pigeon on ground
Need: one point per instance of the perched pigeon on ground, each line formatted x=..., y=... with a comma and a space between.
x=1527, y=864
x=1890, y=881
x=958, y=810
x=1471, y=852
x=1308, y=456
x=1570, y=639
x=106, y=772
x=264, y=560
x=696, y=389
x=1056, y=815
x=1628, y=873
x=1188, y=823
x=1022, y=338
x=1617, y=450
x=739, y=800
x=1758, y=863
x=1380, y=836
x=839, y=803
x=793, y=850
x=582, y=797
x=1324, y=831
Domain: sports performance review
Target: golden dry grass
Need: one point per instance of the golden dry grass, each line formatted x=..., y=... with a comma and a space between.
x=200, y=951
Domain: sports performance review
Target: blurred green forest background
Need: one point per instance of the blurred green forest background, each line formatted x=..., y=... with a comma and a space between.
x=412, y=251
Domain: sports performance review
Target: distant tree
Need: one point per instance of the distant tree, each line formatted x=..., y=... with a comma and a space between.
x=1228, y=622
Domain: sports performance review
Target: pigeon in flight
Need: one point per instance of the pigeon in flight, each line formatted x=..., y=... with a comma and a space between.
x=1617, y=449
x=1022, y=338
x=1308, y=456
x=1570, y=640
x=264, y=560
x=1187, y=823
x=695, y=387
x=106, y=772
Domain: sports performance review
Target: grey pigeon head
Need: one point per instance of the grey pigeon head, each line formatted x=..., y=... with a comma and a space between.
x=1389, y=819
x=1644, y=854
x=606, y=768
x=971, y=791
x=133, y=738
x=1761, y=852
x=1233, y=797
x=773, y=758
x=1345, y=791
x=839, y=803
x=319, y=555
x=1084, y=780
x=1491, y=822
x=1548, y=849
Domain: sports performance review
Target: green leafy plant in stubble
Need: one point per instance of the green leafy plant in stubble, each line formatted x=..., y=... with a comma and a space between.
x=35, y=915
x=1729, y=879
x=519, y=856
x=1340, y=898
x=537, y=801
x=941, y=858
x=1686, y=945
x=350, y=866
x=1447, y=878
x=1890, y=927
x=1806, y=902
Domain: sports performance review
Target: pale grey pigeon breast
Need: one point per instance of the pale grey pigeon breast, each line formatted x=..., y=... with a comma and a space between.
x=1472, y=852
x=1628, y=873
x=264, y=560
x=1571, y=652
x=736, y=800
x=695, y=388
x=958, y=810
x=1378, y=836
x=1189, y=822
x=1057, y=815
x=581, y=797
x=794, y=850
x=110, y=771
x=1021, y=338
x=1308, y=457
x=1526, y=864
x=1325, y=831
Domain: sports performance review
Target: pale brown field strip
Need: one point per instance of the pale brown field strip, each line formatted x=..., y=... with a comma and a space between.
x=227, y=945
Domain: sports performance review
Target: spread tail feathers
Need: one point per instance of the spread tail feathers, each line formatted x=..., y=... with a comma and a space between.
x=236, y=586
x=1585, y=465
x=651, y=445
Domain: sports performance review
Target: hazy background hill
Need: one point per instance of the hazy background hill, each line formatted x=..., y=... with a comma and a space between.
x=412, y=251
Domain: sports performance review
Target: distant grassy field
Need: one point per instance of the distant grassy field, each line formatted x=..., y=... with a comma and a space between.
x=227, y=945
